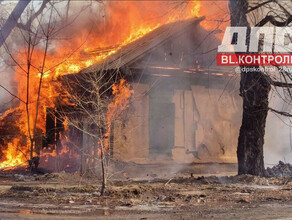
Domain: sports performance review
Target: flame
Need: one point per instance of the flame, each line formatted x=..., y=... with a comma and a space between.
x=14, y=156
x=107, y=39
x=59, y=159
x=45, y=154
x=122, y=93
x=217, y=16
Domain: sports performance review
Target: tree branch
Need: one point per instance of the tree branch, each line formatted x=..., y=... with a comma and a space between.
x=281, y=84
x=274, y=22
x=258, y=6
x=34, y=16
x=11, y=22
x=15, y=96
x=286, y=114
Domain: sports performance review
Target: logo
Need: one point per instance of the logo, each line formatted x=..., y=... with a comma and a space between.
x=258, y=46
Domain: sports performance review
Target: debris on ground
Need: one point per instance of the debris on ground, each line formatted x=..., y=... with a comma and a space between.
x=181, y=192
x=280, y=170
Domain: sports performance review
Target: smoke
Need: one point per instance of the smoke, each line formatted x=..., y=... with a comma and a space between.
x=278, y=131
x=6, y=79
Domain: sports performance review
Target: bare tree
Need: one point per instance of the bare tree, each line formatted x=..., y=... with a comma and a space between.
x=38, y=35
x=34, y=37
x=91, y=109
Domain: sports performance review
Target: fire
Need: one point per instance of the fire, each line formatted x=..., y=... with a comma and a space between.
x=217, y=16
x=109, y=37
x=59, y=159
x=122, y=93
x=14, y=156
x=53, y=153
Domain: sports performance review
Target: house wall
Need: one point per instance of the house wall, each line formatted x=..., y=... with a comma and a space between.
x=131, y=133
x=203, y=117
x=219, y=122
x=206, y=117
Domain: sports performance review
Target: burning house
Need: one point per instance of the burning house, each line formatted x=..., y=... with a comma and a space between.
x=180, y=107
x=122, y=110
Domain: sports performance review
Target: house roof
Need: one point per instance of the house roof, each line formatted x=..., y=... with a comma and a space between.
x=135, y=50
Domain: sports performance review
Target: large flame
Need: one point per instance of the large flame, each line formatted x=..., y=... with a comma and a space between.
x=124, y=23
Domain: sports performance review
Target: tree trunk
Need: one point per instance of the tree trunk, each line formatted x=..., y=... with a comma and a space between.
x=254, y=90
x=103, y=182
x=12, y=20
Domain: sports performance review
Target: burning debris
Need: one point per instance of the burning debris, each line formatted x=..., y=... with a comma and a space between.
x=280, y=170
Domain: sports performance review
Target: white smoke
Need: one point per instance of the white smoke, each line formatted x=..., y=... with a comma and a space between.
x=278, y=132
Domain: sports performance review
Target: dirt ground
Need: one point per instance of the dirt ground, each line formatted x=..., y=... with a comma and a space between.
x=69, y=196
